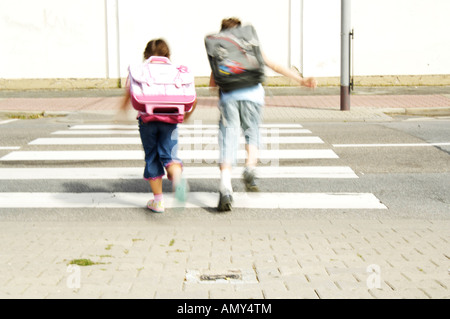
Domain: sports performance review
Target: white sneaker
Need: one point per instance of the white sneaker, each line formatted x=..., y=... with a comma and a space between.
x=156, y=207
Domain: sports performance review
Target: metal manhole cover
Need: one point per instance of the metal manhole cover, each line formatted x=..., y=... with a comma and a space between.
x=221, y=277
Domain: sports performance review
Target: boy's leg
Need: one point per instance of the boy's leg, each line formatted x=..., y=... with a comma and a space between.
x=252, y=156
x=251, y=117
x=229, y=129
x=225, y=178
x=226, y=189
x=249, y=174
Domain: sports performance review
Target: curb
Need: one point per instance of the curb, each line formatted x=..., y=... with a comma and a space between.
x=308, y=114
x=430, y=111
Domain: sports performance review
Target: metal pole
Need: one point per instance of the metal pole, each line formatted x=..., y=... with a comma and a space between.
x=106, y=39
x=119, y=81
x=112, y=40
x=345, y=54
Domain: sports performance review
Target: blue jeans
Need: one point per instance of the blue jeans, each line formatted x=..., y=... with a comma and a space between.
x=160, y=143
x=234, y=116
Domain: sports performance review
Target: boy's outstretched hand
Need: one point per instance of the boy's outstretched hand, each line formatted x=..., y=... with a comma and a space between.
x=309, y=82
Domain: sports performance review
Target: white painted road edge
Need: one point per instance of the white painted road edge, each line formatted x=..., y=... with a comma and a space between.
x=8, y=148
x=7, y=121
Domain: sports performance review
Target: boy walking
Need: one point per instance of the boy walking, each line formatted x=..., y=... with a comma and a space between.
x=241, y=107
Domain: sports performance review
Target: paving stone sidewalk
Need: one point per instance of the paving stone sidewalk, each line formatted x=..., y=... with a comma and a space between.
x=211, y=256
x=321, y=104
x=189, y=258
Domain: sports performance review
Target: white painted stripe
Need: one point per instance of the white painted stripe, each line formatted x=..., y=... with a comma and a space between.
x=185, y=155
x=87, y=141
x=135, y=127
x=195, y=200
x=189, y=172
x=7, y=121
x=264, y=139
x=105, y=127
x=265, y=125
x=268, y=131
x=72, y=155
x=198, y=126
x=97, y=132
x=182, y=140
x=392, y=145
x=9, y=148
x=186, y=126
x=263, y=131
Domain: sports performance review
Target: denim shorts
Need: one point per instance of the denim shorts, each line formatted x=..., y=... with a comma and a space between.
x=160, y=143
x=237, y=116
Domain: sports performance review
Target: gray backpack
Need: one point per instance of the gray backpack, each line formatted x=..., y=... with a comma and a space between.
x=235, y=58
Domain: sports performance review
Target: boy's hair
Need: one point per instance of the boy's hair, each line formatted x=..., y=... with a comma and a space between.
x=230, y=23
x=157, y=47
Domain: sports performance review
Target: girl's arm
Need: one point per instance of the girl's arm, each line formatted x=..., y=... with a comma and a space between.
x=125, y=101
x=121, y=114
x=188, y=115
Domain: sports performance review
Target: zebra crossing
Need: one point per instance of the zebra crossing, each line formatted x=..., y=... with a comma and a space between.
x=284, y=145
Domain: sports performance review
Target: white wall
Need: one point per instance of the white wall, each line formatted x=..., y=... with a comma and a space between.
x=78, y=39
x=392, y=37
x=184, y=25
x=52, y=39
x=401, y=37
x=321, y=37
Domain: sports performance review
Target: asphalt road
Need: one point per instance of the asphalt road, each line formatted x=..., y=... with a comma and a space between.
x=404, y=163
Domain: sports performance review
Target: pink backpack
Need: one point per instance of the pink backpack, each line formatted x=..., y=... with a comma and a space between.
x=161, y=91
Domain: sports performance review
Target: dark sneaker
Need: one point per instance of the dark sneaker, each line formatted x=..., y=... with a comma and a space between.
x=249, y=180
x=225, y=202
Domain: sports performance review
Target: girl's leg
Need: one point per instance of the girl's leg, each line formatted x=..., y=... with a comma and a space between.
x=156, y=204
x=168, y=149
x=153, y=171
x=180, y=186
x=156, y=186
x=174, y=171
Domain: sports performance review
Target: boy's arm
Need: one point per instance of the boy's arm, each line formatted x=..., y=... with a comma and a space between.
x=213, y=88
x=212, y=82
x=308, y=82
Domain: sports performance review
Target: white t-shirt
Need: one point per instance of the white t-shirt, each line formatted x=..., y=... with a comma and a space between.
x=255, y=94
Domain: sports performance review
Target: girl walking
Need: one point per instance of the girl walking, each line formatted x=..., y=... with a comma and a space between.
x=160, y=143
